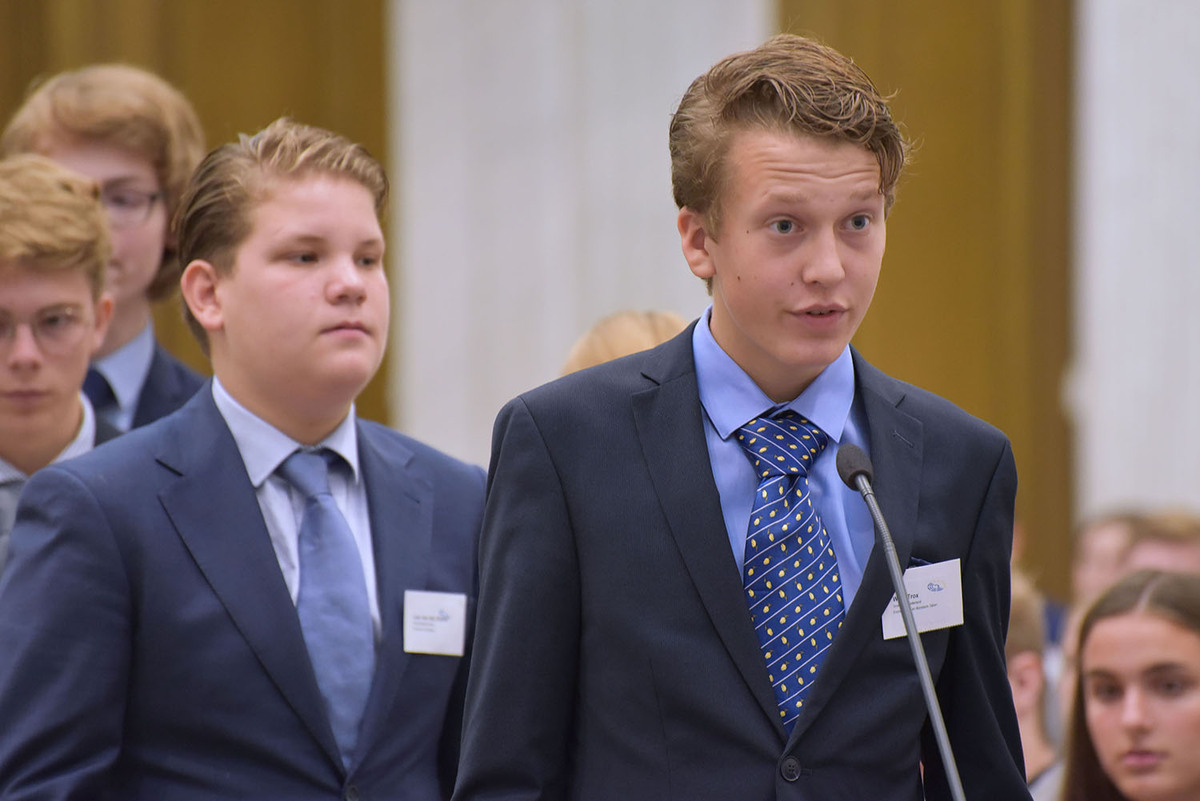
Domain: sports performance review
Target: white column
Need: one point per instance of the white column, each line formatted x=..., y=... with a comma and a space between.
x=531, y=187
x=1135, y=392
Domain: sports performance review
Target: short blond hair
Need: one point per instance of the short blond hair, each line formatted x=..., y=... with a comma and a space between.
x=52, y=219
x=125, y=107
x=215, y=212
x=621, y=334
x=1177, y=526
x=791, y=84
x=1026, y=622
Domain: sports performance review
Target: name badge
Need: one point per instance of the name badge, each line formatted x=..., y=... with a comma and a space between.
x=935, y=593
x=435, y=622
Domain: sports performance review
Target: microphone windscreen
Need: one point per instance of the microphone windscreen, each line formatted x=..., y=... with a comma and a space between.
x=852, y=462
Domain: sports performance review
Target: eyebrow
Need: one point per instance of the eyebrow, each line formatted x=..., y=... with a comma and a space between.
x=318, y=239
x=1166, y=667
x=788, y=196
x=123, y=181
x=65, y=305
x=1157, y=668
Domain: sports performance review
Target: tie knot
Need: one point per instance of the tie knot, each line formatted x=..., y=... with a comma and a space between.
x=786, y=444
x=308, y=471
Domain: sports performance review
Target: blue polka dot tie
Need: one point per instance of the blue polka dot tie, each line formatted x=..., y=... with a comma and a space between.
x=790, y=572
x=334, y=611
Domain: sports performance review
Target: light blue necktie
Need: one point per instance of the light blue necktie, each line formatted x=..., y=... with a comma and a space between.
x=790, y=573
x=335, y=614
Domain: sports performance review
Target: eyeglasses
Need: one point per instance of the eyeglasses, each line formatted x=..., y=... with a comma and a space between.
x=128, y=207
x=56, y=330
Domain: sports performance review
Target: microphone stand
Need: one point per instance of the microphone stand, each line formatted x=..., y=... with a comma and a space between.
x=884, y=538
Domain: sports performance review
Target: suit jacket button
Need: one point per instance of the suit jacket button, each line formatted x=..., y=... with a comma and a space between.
x=790, y=768
x=351, y=793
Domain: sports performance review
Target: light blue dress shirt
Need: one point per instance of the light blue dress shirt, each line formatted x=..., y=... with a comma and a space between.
x=731, y=399
x=263, y=448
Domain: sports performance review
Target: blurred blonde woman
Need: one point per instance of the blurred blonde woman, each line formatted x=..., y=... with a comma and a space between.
x=621, y=334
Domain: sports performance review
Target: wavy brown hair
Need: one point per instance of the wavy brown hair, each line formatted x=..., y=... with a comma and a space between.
x=789, y=83
x=126, y=107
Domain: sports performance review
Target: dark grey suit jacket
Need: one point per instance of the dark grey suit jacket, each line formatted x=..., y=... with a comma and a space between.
x=151, y=649
x=615, y=657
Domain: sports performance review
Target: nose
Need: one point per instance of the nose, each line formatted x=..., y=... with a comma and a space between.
x=346, y=282
x=1133, y=709
x=823, y=259
x=23, y=348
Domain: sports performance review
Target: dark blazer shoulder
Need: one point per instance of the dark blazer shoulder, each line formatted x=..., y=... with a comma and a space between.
x=174, y=438
x=406, y=447
x=591, y=389
x=168, y=386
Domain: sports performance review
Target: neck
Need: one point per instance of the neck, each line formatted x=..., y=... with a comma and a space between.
x=127, y=322
x=1039, y=753
x=29, y=450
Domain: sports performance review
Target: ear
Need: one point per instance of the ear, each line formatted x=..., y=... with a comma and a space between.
x=1028, y=680
x=102, y=315
x=696, y=241
x=198, y=285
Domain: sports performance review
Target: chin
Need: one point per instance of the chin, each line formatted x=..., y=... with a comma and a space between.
x=345, y=381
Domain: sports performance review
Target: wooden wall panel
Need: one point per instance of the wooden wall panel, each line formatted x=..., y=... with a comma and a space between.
x=241, y=63
x=972, y=303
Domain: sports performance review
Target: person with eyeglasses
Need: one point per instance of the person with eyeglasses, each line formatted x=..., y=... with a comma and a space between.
x=54, y=313
x=139, y=138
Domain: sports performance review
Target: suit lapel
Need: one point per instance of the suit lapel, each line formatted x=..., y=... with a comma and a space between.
x=399, y=497
x=896, y=455
x=215, y=512
x=669, y=422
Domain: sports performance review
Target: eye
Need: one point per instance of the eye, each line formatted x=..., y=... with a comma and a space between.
x=859, y=222
x=783, y=226
x=1104, y=692
x=368, y=261
x=121, y=200
x=57, y=324
x=1171, y=686
x=55, y=320
x=303, y=257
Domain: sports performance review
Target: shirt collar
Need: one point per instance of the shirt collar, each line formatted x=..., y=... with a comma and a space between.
x=126, y=368
x=264, y=447
x=731, y=398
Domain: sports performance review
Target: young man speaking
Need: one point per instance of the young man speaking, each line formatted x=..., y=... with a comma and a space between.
x=679, y=598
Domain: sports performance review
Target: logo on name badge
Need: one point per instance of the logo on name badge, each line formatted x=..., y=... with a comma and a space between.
x=933, y=586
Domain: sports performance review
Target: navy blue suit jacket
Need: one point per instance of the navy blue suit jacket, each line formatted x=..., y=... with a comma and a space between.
x=169, y=384
x=615, y=657
x=151, y=649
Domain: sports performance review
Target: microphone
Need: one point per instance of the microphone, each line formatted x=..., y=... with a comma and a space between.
x=854, y=468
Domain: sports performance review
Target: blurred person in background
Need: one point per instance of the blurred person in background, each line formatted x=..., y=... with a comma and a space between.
x=1135, y=721
x=53, y=316
x=1027, y=676
x=621, y=334
x=139, y=138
